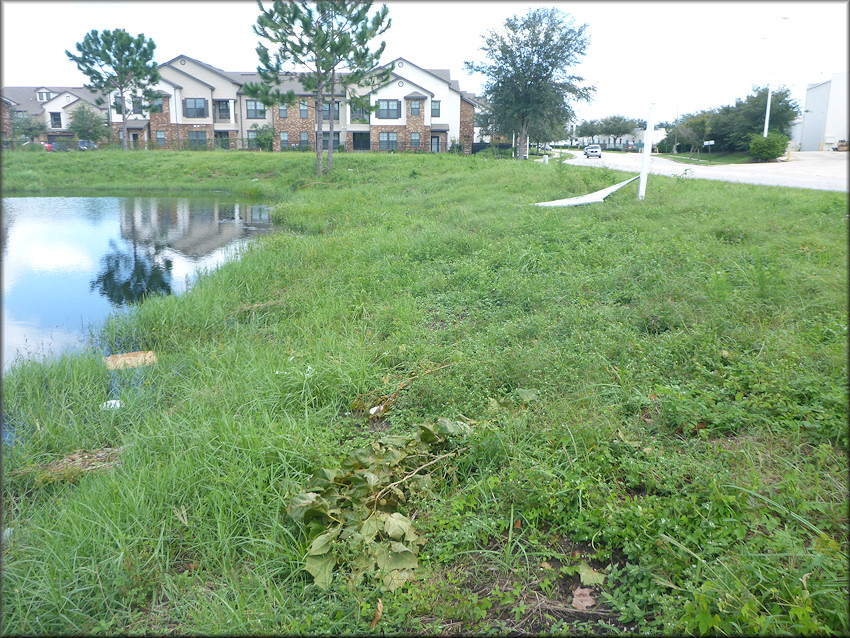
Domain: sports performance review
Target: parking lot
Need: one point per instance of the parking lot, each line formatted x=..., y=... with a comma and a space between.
x=819, y=170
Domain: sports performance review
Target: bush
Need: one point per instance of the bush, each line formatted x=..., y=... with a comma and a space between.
x=33, y=147
x=768, y=148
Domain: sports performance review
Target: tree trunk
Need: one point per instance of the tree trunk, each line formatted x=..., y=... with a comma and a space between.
x=331, y=113
x=123, y=121
x=523, y=137
x=319, y=96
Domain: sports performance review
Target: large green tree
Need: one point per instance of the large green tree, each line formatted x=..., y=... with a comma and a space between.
x=617, y=126
x=589, y=128
x=330, y=39
x=527, y=70
x=120, y=66
x=27, y=126
x=88, y=124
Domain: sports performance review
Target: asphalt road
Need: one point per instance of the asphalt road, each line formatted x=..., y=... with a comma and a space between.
x=826, y=170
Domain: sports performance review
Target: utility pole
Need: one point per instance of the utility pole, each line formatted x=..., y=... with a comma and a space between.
x=647, y=149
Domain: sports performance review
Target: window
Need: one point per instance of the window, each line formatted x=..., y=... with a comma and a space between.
x=197, y=139
x=255, y=110
x=326, y=137
x=326, y=111
x=252, y=140
x=55, y=120
x=281, y=110
x=302, y=110
x=305, y=139
x=137, y=105
x=160, y=138
x=389, y=109
x=435, y=108
x=194, y=107
x=359, y=113
x=42, y=96
x=388, y=141
x=223, y=111
x=222, y=139
x=414, y=140
x=284, y=140
x=156, y=105
x=414, y=107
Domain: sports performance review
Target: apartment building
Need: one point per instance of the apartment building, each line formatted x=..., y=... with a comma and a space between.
x=53, y=104
x=199, y=106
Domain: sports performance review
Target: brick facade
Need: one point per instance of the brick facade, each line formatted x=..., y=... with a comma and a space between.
x=183, y=134
x=162, y=122
x=293, y=124
x=415, y=124
x=467, y=124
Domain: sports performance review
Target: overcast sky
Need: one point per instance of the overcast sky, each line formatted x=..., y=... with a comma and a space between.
x=684, y=56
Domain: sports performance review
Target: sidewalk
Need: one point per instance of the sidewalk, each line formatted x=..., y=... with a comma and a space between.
x=819, y=170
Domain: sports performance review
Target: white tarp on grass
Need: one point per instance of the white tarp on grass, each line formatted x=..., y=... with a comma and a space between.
x=590, y=198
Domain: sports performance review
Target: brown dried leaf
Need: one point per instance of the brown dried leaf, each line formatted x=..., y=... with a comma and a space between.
x=378, y=613
x=582, y=599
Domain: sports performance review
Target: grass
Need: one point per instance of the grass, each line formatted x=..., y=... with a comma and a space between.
x=710, y=158
x=656, y=393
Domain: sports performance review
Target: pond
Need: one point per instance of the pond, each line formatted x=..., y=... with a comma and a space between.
x=68, y=262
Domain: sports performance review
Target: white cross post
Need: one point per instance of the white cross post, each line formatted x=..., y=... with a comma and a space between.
x=647, y=149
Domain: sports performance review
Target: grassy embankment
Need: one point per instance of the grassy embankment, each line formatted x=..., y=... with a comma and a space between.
x=654, y=397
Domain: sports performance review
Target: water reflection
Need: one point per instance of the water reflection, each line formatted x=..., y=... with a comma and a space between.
x=127, y=276
x=70, y=261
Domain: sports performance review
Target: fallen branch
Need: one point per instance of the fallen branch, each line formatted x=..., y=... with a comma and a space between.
x=413, y=473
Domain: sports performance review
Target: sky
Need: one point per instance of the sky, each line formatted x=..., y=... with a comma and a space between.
x=682, y=56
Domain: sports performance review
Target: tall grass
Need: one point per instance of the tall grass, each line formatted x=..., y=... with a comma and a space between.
x=658, y=388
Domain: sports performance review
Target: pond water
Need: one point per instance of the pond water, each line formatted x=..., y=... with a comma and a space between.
x=68, y=262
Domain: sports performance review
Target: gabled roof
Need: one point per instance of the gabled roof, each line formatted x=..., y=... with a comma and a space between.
x=67, y=103
x=395, y=77
x=209, y=67
x=440, y=74
x=189, y=75
x=167, y=81
x=25, y=96
x=289, y=82
x=443, y=75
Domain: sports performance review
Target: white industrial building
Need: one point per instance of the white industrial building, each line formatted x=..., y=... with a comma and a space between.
x=825, y=115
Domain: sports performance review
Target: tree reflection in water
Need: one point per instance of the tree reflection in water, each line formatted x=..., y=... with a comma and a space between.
x=126, y=276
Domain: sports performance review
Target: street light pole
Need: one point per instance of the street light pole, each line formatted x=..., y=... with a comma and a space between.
x=647, y=149
x=767, y=112
x=773, y=71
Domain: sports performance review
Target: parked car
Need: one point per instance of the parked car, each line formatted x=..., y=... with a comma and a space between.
x=86, y=145
x=594, y=150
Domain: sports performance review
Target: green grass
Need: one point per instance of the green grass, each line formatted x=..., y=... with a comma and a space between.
x=656, y=390
x=709, y=158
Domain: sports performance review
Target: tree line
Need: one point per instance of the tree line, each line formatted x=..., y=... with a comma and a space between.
x=738, y=127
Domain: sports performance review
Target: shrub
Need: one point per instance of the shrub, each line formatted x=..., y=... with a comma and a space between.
x=768, y=148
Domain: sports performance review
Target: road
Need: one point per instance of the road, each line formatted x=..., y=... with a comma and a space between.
x=826, y=170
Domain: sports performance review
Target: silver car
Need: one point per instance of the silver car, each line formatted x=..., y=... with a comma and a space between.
x=594, y=150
